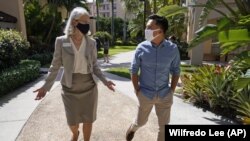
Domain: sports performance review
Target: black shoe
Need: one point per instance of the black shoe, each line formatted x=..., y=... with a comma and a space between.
x=130, y=136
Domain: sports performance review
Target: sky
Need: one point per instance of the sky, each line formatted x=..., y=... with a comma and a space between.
x=89, y=0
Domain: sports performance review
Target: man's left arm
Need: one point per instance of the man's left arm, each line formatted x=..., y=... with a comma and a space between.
x=175, y=70
x=174, y=82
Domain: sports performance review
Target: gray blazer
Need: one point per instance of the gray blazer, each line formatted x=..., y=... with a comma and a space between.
x=64, y=56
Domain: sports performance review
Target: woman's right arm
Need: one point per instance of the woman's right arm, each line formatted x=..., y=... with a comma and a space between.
x=55, y=65
x=53, y=70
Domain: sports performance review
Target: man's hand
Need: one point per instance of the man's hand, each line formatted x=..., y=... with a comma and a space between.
x=110, y=85
x=171, y=91
x=41, y=93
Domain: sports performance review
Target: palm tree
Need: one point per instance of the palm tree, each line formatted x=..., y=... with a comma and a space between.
x=136, y=27
x=70, y=4
x=53, y=6
x=155, y=7
x=131, y=7
x=176, y=16
x=112, y=22
x=232, y=32
x=97, y=14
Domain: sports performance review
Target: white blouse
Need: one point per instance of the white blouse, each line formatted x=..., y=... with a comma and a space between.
x=80, y=62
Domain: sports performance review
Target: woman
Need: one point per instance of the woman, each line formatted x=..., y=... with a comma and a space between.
x=76, y=52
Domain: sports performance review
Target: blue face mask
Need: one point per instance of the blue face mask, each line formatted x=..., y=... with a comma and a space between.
x=84, y=28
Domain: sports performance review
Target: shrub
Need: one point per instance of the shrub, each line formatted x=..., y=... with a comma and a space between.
x=241, y=103
x=118, y=42
x=14, y=77
x=42, y=58
x=212, y=86
x=103, y=36
x=13, y=48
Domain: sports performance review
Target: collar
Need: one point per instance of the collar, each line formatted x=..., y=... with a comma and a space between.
x=162, y=44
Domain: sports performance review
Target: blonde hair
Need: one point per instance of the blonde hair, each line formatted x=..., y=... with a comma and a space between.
x=76, y=13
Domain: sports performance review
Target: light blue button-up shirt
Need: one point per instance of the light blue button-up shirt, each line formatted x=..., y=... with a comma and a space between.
x=155, y=65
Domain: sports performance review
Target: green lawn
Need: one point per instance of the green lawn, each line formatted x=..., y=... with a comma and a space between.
x=116, y=50
x=123, y=72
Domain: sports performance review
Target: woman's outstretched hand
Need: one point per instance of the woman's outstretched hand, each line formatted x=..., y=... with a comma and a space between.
x=110, y=85
x=41, y=93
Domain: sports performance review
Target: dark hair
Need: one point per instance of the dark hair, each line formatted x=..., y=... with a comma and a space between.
x=160, y=21
x=172, y=38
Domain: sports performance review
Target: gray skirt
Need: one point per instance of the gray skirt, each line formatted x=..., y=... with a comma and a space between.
x=80, y=101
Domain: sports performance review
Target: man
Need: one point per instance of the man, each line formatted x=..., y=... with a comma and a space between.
x=156, y=58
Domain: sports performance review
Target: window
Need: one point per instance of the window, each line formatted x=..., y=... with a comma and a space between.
x=114, y=5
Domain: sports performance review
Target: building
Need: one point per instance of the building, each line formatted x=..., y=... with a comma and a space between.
x=105, y=8
x=12, y=15
x=209, y=50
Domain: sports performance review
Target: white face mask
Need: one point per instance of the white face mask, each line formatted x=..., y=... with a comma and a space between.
x=149, y=34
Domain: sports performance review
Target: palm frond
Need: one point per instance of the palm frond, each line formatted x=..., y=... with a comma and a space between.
x=204, y=34
x=243, y=6
x=207, y=8
x=168, y=11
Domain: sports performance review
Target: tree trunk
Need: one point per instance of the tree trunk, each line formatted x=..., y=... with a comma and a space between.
x=50, y=30
x=112, y=22
x=97, y=15
x=124, y=28
x=155, y=7
x=148, y=8
x=165, y=2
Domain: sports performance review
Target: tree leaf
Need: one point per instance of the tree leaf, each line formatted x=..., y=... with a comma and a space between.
x=208, y=7
x=242, y=83
x=234, y=35
x=172, y=10
x=223, y=23
x=204, y=34
x=231, y=46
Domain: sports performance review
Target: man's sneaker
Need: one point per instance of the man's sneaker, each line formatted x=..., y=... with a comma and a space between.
x=130, y=136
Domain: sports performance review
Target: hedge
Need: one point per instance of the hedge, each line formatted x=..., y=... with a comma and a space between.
x=14, y=77
x=44, y=58
x=13, y=48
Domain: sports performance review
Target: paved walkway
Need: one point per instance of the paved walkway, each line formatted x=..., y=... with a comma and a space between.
x=24, y=119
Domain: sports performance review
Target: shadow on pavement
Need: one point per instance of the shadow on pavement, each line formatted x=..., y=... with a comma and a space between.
x=222, y=121
x=112, y=65
x=115, y=77
x=6, y=98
